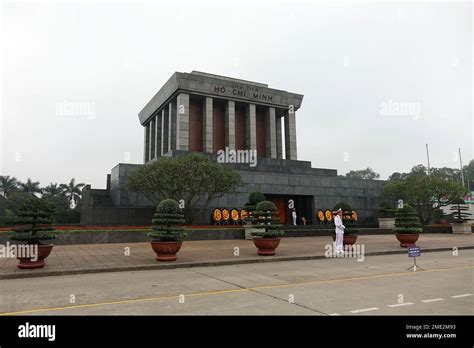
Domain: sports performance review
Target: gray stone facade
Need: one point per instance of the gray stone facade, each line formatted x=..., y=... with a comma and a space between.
x=175, y=131
x=219, y=87
x=292, y=179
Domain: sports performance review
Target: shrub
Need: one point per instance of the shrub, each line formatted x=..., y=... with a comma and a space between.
x=62, y=211
x=459, y=211
x=344, y=206
x=406, y=220
x=439, y=216
x=351, y=227
x=34, y=216
x=265, y=206
x=386, y=210
x=266, y=217
x=167, y=222
x=254, y=198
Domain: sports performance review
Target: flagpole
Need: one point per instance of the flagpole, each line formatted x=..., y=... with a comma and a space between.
x=428, y=158
x=460, y=163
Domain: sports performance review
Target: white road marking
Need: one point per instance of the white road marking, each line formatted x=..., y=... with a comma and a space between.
x=433, y=300
x=463, y=295
x=334, y=314
x=364, y=310
x=399, y=304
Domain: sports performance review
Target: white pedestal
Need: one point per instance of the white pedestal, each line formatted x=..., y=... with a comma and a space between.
x=386, y=223
x=464, y=228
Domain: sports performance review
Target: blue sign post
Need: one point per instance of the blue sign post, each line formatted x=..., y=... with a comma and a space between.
x=414, y=252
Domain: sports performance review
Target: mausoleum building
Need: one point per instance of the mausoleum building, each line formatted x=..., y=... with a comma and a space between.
x=201, y=112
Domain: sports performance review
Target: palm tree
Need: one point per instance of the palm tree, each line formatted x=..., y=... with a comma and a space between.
x=31, y=187
x=72, y=191
x=8, y=185
x=52, y=190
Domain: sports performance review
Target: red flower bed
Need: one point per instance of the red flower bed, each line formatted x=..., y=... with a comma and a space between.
x=98, y=227
x=120, y=227
x=86, y=227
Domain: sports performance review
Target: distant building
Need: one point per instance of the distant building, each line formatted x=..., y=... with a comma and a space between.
x=200, y=112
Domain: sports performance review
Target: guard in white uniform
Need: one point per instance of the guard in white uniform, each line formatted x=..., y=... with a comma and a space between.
x=294, y=216
x=339, y=231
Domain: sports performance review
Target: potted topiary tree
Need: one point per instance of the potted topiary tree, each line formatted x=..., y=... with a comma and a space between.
x=33, y=216
x=254, y=198
x=407, y=226
x=351, y=227
x=460, y=217
x=386, y=216
x=267, y=238
x=167, y=232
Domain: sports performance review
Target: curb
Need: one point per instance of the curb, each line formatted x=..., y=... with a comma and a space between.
x=205, y=264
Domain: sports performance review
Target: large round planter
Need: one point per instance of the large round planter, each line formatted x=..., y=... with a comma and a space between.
x=348, y=239
x=166, y=251
x=266, y=246
x=43, y=252
x=407, y=239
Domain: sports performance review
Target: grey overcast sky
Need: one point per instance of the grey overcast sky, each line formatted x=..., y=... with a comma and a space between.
x=380, y=79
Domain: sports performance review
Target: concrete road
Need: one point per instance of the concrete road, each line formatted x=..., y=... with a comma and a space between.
x=377, y=285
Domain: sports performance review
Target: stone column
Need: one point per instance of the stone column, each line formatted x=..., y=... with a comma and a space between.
x=152, y=138
x=290, y=135
x=251, y=127
x=207, y=134
x=164, y=130
x=182, y=122
x=270, y=133
x=172, y=126
x=279, y=145
x=146, y=137
x=230, y=124
x=158, y=135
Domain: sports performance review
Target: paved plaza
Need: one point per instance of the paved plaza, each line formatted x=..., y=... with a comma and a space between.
x=93, y=258
x=380, y=285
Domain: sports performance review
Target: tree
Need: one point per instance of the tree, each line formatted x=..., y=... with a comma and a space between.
x=72, y=191
x=52, y=190
x=194, y=178
x=395, y=176
x=34, y=216
x=31, y=187
x=420, y=169
x=62, y=209
x=265, y=217
x=167, y=222
x=346, y=208
x=469, y=173
x=386, y=210
x=406, y=220
x=425, y=193
x=450, y=174
x=254, y=198
x=364, y=174
x=8, y=185
x=459, y=211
